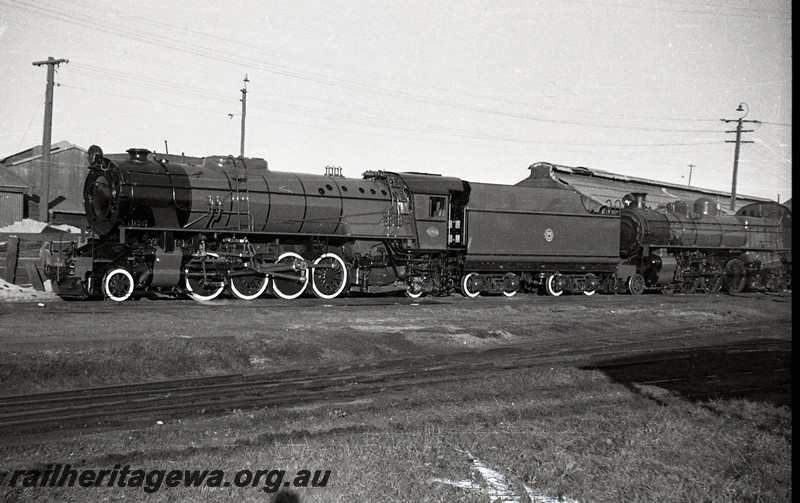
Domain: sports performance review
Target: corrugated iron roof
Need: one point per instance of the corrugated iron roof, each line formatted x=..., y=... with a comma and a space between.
x=609, y=188
x=36, y=152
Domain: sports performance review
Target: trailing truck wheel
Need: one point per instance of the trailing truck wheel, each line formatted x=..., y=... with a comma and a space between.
x=552, y=286
x=118, y=284
x=202, y=290
x=248, y=287
x=470, y=285
x=290, y=288
x=735, y=276
x=329, y=281
x=636, y=284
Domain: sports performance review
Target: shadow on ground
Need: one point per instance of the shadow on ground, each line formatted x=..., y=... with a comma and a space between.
x=755, y=370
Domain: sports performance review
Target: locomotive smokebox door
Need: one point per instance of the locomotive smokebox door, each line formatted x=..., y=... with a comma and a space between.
x=431, y=212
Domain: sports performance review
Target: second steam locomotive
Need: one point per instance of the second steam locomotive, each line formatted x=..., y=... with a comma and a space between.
x=230, y=223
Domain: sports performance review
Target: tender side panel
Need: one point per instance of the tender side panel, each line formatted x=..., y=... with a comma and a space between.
x=521, y=224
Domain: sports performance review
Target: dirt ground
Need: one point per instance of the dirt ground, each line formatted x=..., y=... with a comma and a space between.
x=650, y=398
x=50, y=343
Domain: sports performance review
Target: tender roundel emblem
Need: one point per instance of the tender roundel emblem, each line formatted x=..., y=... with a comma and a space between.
x=432, y=232
x=549, y=235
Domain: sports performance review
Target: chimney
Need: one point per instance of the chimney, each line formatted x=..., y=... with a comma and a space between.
x=639, y=199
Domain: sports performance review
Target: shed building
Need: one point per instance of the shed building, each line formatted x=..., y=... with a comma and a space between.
x=605, y=188
x=67, y=174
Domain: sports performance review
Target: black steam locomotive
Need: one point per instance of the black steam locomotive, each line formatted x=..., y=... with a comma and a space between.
x=223, y=222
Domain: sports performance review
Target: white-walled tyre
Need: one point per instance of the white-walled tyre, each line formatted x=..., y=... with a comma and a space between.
x=248, y=287
x=118, y=284
x=330, y=280
x=552, y=286
x=470, y=286
x=290, y=288
x=202, y=291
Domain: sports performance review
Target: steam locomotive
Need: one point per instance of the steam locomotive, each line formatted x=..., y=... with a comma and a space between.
x=204, y=226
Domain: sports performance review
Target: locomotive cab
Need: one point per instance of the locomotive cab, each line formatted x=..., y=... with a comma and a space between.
x=438, y=207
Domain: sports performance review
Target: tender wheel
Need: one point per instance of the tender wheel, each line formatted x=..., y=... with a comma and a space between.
x=471, y=285
x=118, y=284
x=248, y=287
x=510, y=285
x=552, y=286
x=202, y=290
x=329, y=282
x=636, y=284
x=592, y=283
x=735, y=276
x=289, y=288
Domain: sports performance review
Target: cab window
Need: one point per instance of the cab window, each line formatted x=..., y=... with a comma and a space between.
x=438, y=207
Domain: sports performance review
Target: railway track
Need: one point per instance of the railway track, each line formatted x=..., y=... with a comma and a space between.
x=128, y=405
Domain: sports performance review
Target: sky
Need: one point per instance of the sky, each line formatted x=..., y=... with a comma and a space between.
x=478, y=90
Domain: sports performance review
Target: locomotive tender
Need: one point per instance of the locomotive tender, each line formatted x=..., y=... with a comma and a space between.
x=199, y=227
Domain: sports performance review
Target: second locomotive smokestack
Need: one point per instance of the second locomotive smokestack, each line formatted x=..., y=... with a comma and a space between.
x=639, y=199
x=138, y=154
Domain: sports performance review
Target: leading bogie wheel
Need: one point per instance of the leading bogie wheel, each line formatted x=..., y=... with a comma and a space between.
x=688, y=286
x=711, y=284
x=413, y=293
x=118, y=284
x=290, y=288
x=328, y=276
x=636, y=284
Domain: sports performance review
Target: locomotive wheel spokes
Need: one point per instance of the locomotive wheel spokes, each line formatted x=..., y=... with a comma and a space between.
x=470, y=285
x=290, y=288
x=735, y=276
x=328, y=282
x=118, y=284
x=552, y=286
x=201, y=289
x=688, y=286
x=636, y=284
x=711, y=284
x=668, y=289
x=248, y=287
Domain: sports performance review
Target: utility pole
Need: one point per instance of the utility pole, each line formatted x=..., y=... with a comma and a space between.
x=44, y=190
x=244, y=111
x=691, y=166
x=738, y=142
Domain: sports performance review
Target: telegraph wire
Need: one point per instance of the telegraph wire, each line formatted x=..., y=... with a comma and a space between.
x=233, y=58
